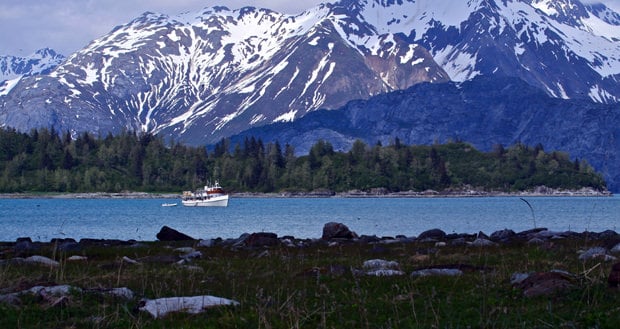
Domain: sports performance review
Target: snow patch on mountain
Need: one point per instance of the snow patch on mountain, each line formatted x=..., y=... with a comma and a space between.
x=40, y=62
x=7, y=85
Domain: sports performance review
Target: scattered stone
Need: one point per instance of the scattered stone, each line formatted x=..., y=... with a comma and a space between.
x=65, y=244
x=517, y=278
x=263, y=254
x=192, y=255
x=391, y=241
x=192, y=268
x=458, y=242
x=262, y=239
x=502, y=235
x=595, y=252
x=206, y=243
x=168, y=234
x=25, y=245
x=240, y=242
x=432, y=235
x=545, y=283
x=289, y=242
x=161, y=259
x=436, y=272
x=195, y=304
x=123, y=292
x=185, y=250
x=41, y=260
x=536, y=241
x=381, y=267
x=76, y=258
x=369, y=239
x=10, y=299
x=607, y=234
x=380, y=263
x=334, y=230
x=481, y=242
x=86, y=242
x=546, y=234
x=614, y=276
x=531, y=232
x=420, y=258
x=128, y=260
x=58, y=291
x=385, y=272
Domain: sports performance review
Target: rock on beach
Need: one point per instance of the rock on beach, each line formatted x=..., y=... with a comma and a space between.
x=169, y=234
x=333, y=230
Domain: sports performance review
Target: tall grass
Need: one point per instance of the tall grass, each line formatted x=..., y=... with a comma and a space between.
x=316, y=287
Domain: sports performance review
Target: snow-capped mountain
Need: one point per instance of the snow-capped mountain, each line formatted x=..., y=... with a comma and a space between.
x=12, y=68
x=205, y=75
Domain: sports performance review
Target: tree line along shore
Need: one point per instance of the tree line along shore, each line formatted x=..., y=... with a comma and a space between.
x=46, y=161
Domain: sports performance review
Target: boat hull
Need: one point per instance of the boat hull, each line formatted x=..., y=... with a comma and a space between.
x=217, y=201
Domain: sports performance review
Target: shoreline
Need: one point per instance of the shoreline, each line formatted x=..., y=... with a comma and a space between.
x=541, y=191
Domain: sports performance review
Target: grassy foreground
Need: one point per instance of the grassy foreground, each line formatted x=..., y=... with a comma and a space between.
x=317, y=286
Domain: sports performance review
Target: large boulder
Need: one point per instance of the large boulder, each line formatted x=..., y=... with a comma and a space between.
x=433, y=234
x=262, y=239
x=502, y=235
x=334, y=230
x=544, y=283
x=614, y=276
x=168, y=234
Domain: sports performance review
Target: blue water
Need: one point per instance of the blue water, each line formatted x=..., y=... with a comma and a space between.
x=141, y=219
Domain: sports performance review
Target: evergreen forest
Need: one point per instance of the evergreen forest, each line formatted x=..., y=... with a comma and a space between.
x=45, y=160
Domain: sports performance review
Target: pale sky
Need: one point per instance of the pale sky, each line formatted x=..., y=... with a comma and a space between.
x=68, y=25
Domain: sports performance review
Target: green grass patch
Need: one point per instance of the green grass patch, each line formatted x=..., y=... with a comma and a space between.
x=315, y=287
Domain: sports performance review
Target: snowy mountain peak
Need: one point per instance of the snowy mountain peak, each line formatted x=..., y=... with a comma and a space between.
x=13, y=68
x=200, y=76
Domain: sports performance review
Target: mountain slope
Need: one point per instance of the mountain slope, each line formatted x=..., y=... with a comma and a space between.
x=12, y=68
x=201, y=76
x=484, y=112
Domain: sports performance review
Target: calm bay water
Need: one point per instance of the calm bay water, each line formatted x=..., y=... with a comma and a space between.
x=141, y=219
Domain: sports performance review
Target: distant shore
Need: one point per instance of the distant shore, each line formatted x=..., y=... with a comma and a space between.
x=541, y=191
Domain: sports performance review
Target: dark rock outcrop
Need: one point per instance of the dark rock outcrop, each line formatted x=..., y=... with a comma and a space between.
x=545, y=283
x=262, y=239
x=433, y=234
x=168, y=234
x=614, y=276
x=335, y=230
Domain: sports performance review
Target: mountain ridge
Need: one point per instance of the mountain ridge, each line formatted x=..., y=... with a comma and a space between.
x=13, y=68
x=485, y=112
x=204, y=75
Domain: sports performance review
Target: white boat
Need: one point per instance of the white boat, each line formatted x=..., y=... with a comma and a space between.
x=209, y=196
x=168, y=204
